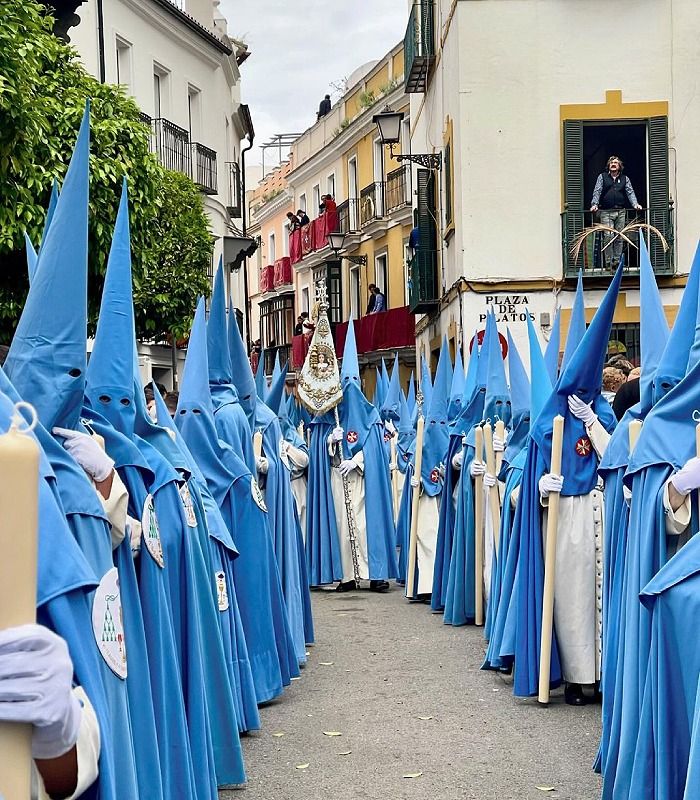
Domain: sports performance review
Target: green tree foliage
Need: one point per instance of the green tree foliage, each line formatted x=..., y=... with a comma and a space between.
x=43, y=90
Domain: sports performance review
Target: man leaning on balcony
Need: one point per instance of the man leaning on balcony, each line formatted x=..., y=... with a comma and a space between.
x=612, y=194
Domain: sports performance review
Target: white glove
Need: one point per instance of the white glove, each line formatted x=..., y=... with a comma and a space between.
x=415, y=481
x=687, y=478
x=346, y=467
x=627, y=494
x=36, y=675
x=582, y=410
x=134, y=529
x=87, y=452
x=336, y=435
x=389, y=425
x=262, y=465
x=458, y=460
x=477, y=468
x=489, y=480
x=441, y=470
x=499, y=445
x=550, y=483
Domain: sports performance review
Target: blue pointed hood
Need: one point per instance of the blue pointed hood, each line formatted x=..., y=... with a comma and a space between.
x=551, y=354
x=276, y=370
x=32, y=257
x=674, y=360
x=436, y=434
x=260, y=379
x=457, y=388
x=577, y=323
x=351, y=366
x=411, y=396
x=47, y=358
x=241, y=372
x=379, y=393
x=194, y=386
x=32, y=254
x=217, y=334
x=497, y=404
x=385, y=381
x=583, y=377
x=426, y=384
x=470, y=380
x=391, y=408
x=519, y=383
x=653, y=327
x=277, y=393
x=540, y=380
x=110, y=372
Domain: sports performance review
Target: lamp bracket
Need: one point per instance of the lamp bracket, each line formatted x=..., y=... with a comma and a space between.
x=427, y=160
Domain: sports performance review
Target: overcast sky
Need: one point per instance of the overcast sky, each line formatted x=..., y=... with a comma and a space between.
x=300, y=48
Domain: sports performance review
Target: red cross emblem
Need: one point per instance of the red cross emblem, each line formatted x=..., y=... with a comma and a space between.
x=583, y=447
x=352, y=437
x=435, y=475
x=388, y=436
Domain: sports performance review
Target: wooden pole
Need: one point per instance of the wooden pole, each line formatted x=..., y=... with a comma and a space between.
x=19, y=481
x=413, y=541
x=394, y=477
x=494, y=498
x=479, y=531
x=633, y=431
x=550, y=565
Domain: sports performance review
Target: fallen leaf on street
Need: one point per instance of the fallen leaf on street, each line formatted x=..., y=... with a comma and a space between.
x=278, y=734
x=345, y=753
x=301, y=766
x=413, y=775
x=546, y=788
x=332, y=733
x=326, y=663
x=424, y=718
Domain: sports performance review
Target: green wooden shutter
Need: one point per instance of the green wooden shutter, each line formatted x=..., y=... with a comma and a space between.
x=659, y=213
x=424, y=265
x=574, y=218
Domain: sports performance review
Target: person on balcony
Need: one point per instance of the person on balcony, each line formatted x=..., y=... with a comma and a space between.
x=329, y=203
x=303, y=218
x=372, y=299
x=294, y=223
x=379, y=301
x=612, y=195
x=324, y=107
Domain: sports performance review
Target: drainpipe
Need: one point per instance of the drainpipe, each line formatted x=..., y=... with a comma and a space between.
x=101, y=39
x=246, y=298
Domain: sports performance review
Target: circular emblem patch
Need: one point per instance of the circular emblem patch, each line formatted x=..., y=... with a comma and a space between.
x=352, y=437
x=583, y=447
x=151, y=532
x=435, y=475
x=221, y=591
x=107, y=623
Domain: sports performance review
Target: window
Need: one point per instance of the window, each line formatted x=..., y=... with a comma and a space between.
x=123, y=61
x=625, y=340
x=355, y=300
x=407, y=254
x=353, y=221
x=161, y=91
x=302, y=202
x=330, y=185
x=449, y=179
x=194, y=113
x=317, y=199
x=277, y=328
x=285, y=239
x=381, y=277
x=271, y=254
x=305, y=299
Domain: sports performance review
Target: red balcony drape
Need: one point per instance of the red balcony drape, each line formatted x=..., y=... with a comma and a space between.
x=385, y=331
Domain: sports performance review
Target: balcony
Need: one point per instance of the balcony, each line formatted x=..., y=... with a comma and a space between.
x=283, y=273
x=423, y=294
x=172, y=144
x=312, y=237
x=592, y=257
x=234, y=195
x=266, y=282
x=371, y=203
x=387, y=330
x=419, y=47
x=348, y=217
x=204, y=174
x=397, y=191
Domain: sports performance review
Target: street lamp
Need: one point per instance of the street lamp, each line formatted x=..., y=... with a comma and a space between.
x=389, y=124
x=336, y=241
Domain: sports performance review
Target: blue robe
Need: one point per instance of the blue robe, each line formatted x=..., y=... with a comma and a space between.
x=232, y=423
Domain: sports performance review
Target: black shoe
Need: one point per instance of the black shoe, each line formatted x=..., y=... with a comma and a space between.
x=574, y=696
x=379, y=586
x=348, y=586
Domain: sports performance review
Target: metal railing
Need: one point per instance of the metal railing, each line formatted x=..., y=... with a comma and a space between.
x=234, y=200
x=273, y=354
x=348, y=216
x=172, y=144
x=204, y=162
x=422, y=282
x=599, y=254
x=397, y=191
x=371, y=203
x=419, y=46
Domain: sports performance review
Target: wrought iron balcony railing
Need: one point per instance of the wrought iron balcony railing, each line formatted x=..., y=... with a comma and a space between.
x=348, y=216
x=419, y=46
x=371, y=203
x=204, y=163
x=598, y=255
x=172, y=144
x=397, y=192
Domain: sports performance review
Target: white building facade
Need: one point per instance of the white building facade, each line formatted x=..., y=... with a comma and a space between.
x=525, y=100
